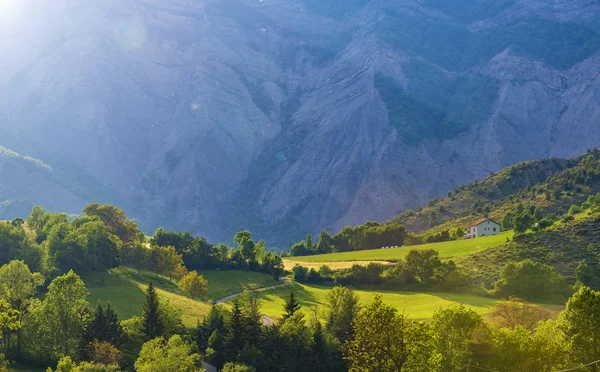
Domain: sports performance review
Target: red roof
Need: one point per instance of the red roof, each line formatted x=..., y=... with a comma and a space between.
x=482, y=221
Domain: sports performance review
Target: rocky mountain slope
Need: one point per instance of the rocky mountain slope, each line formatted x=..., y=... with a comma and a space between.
x=284, y=116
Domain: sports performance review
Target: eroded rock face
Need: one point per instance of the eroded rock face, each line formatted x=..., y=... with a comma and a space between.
x=285, y=116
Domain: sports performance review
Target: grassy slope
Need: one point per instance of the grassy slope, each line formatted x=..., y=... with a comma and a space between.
x=447, y=250
x=563, y=246
x=415, y=305
x=530, y=183
x=125, y=290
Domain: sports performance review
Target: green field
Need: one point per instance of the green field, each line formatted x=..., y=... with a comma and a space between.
x=125, y=290
x=414, y=304
x=447, y=250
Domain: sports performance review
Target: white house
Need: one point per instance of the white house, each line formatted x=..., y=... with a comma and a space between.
x=484, y=227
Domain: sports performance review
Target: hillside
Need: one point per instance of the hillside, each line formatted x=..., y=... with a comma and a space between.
x=552, y=185
x=415, y=305
x=125, y=291
x=286, y=116
x=563, y=246
x=447, y=250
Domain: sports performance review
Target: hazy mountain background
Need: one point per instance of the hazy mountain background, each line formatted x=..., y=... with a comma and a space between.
x=285, y=116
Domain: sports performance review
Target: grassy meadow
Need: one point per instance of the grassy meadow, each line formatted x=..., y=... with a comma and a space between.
x=415, y=305
x=447, y=250
x=125, y=290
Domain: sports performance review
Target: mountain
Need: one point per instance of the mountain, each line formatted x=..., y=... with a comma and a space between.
x=550, y=185
x=283, y=116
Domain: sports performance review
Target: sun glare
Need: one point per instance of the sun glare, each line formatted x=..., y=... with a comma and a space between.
x=8, y=10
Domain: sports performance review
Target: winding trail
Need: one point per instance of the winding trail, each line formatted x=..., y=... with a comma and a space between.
x=231, y=297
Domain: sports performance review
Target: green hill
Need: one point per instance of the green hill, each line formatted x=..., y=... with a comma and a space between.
x=124, y=289
x=448, y=250
x=414, y=304
x=550, y=184
x=563, y=246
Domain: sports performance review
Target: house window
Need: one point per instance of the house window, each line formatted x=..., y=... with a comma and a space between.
x=494, y=229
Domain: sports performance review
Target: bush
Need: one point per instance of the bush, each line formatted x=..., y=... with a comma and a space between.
x=532, y=281
x=300, y=273
x=575, y=209
x=568, y=218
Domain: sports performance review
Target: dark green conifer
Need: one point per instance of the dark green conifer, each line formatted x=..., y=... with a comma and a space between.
x=152, y=326
x=291, y=306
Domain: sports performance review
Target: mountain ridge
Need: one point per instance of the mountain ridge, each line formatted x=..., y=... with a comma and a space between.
x=266, y=115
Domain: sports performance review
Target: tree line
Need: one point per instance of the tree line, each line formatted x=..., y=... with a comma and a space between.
x=103, y=238
x=370, y=235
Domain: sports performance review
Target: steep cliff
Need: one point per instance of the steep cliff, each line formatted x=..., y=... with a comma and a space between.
x=285, y=116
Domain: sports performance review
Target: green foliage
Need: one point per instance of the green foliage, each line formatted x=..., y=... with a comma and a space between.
x=581, y=321
x=152, y=322
x=235, y=367
x=532, y=281
x=291, y=306
x=342, y=306
x=55, y=327
x=115, y=221
x=193, y=284
x=174, y=355
x=367, y=236
x=453, y=329
x=385, y=341
x=575, y=209
x=104, y=326
x=66, y=364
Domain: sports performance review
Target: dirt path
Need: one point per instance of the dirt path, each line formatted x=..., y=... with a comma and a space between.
x=231, y=297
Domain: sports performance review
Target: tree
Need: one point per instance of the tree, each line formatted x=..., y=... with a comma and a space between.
x=580, y=323
x=453, y=328
x=517, y=312
x=17, y=286
x=105, y=353
x=104, y=326
x=193, y=284
x=173, y=262
x=65, y=313
x=457, y=233
x=291, y=306
x=382, y=342
x=422, y=265
x=507, y=221
x=309, y=244
x=522, y=221
x=532, y=281
x=235, y=336
x=136, y=256
x=9, y=321
x=175, y=355
x=66, y=364
x=342, y=305
x=235, y=367
x=325, y=243
x=152, y=325
x=115, y=220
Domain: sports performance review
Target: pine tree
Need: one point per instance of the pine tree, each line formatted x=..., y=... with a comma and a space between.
x=291, y=306
x=152, y=325
x=113, y=332
x=235, y=336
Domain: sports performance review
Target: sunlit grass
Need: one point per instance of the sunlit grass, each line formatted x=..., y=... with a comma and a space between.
x=124, y=289
x=416, y=305
x=447, y=250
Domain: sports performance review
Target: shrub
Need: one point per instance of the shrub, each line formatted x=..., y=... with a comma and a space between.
x=568, y=218
x=532, y=281
x=575, y=209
